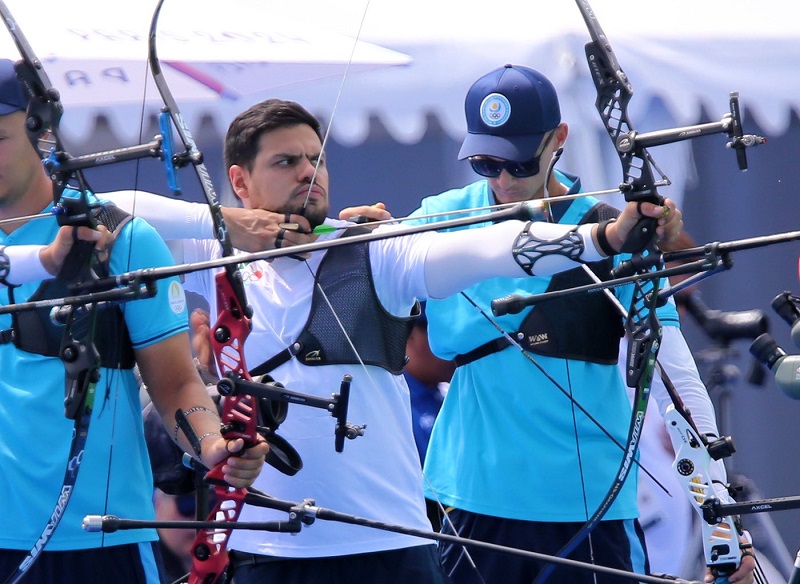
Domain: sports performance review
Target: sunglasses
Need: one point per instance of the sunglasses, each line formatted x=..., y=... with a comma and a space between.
x=491, y=168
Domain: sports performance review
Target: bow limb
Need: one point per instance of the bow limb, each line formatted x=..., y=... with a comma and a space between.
x=642, y=327
x=240, y=411
x=77, y=351
x=693, y=459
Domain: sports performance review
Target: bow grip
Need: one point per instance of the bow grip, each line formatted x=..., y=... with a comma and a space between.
x=76, y=212
x=644, y=232
x=77, y=261
x=640, y=236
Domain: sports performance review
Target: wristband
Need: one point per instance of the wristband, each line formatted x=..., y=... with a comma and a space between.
x=185, y=414
x=602, y=238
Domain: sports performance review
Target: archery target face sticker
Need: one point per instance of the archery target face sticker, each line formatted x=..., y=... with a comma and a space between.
x=177, y=297
x=495, y=110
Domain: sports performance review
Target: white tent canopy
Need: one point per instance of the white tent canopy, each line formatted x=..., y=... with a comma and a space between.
x=210, y=52
x=688, y=53
x=680, y=55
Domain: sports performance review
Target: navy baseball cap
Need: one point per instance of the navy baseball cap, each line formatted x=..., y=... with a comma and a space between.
x=508, y=113
x=12, y=95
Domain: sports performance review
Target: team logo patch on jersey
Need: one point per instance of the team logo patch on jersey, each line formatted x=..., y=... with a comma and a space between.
x=177, y=297
x=251, y=273
x=495, y=110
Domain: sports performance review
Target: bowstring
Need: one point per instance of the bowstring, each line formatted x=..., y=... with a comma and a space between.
x=320, y=160
x=116, y=373
x=318, y=286
x=336, y=104
x=324, y=296
x=550, y=219
x=312, y=182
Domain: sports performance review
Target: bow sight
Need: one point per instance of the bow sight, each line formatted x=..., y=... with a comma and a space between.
x=730, y=124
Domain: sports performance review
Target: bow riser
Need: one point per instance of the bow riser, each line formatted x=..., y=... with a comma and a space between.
x=240, y=415
x=209, y=550
x=79, y=356
x=642, y=327
x=692, y=466
x=612, y=102
x=614, y=92
x=231, y=329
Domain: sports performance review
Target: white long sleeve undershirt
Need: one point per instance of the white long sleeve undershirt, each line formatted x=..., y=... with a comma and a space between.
x=448, y=268
x=172, y=218
x=24, y=264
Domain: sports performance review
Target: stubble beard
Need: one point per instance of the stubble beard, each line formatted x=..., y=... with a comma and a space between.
x=315, y=212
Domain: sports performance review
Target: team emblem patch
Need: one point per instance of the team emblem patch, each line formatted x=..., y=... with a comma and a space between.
x=495, y=110
x=177, y=298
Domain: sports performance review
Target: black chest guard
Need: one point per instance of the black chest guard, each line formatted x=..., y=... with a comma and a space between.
x=584, y=327
x=379, y=337
x=34, y=331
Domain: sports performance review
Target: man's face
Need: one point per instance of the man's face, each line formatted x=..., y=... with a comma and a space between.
x=19, y=164
x=511, y=189
x=280, y=180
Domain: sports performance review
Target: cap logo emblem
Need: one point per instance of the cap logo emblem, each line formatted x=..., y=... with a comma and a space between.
x=495, y=110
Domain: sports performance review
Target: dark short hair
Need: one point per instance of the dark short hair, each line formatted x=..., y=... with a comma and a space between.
x=245, y=131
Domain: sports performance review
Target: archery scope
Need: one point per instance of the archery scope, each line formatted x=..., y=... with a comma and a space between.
x=785, y=305
x=785, y=367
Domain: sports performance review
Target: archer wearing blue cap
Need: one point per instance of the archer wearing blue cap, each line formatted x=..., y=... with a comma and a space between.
x=12, y=95
x=514, y=460
x=91, y=456
x=21, y=263
x=509, y=113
